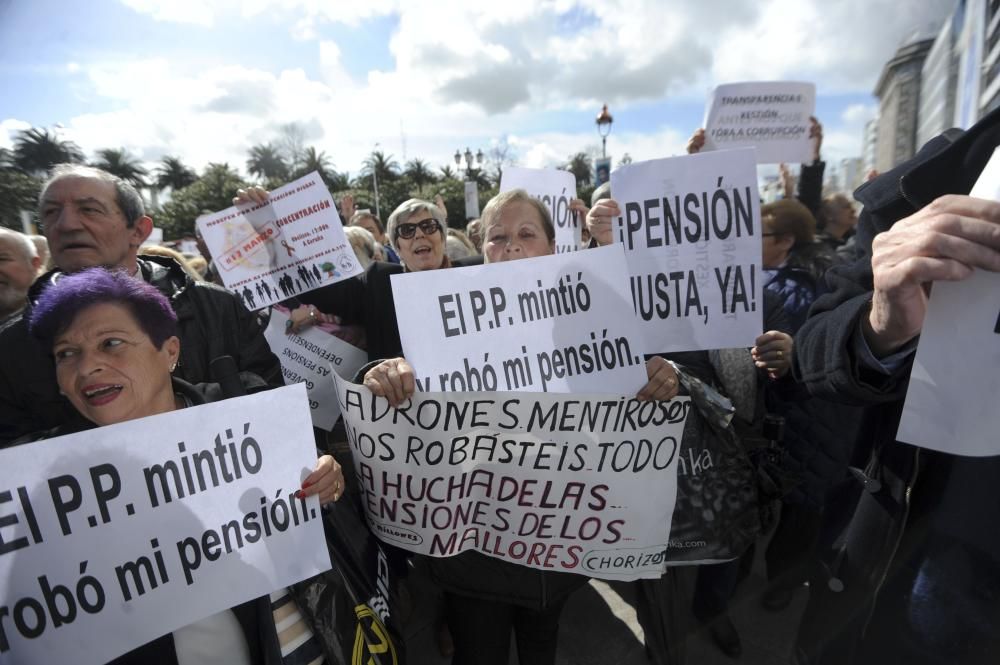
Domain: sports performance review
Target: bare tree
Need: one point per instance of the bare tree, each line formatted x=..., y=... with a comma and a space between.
x=500, y=154
x=292, y=144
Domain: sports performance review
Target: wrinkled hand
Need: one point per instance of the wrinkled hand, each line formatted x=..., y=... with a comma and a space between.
x=250, y=195
x=327, y=480
x=304, y=316
x=392, y=379
x=816, y=135
x=662, y=384
x=773, y=351
x=696, y=142
x=945, y=240
x=347, y=208
x=600, y=220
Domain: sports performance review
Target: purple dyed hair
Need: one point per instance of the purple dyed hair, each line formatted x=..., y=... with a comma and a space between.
x=60, y=304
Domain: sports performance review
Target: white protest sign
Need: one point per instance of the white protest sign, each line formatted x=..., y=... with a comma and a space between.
x=555, y=189
x=559, y=323
x=308, y=357
x=772, y=116
x=582, y=484
x=115, y=536
x=691, y=231
x=293, y=243
x=950, y=402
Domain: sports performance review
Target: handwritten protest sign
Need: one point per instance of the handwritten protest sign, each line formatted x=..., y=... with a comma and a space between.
x=583, y=484
x=950, y=402
x=117, y=535
x=772, y=116
x=309, y=357
x=560, y=323
x=690, y=227
x=555, y=189
x=290, y=244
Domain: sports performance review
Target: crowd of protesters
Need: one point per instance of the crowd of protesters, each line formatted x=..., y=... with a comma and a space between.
x=896, y=547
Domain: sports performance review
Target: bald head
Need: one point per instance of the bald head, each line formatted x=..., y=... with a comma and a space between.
x=19, y=264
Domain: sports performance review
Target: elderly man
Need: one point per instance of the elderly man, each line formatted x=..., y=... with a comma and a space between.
x=92, y=218
x=918, y=576
x=18, y=266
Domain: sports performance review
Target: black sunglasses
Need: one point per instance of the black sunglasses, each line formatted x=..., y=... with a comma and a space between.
x=427, y=227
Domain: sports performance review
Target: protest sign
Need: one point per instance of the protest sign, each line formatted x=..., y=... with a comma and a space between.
x=690, y=227
x=560, y=323
x=949, y=402
x=292, y=243
x=582, y=483
x=309, y=357
x=115, y=536
x=772, y=116
x=555, y=189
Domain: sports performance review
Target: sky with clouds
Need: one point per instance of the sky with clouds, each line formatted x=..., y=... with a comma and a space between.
x=206, y=79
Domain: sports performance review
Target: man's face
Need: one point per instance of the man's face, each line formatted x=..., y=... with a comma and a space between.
x=86, y=228
x=17, y=272
x=368, y=224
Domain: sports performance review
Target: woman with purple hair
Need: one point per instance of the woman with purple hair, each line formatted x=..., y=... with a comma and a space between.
x=115, y=344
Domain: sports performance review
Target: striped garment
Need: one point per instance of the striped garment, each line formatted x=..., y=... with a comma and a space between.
x=298, y=644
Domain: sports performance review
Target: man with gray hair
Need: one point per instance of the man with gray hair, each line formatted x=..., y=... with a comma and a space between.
x=93, y=218
x=18, y=267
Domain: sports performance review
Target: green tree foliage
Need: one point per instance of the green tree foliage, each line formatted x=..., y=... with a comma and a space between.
x=174, y=174
x=319, y=162
x=38, y=150
x=581, y=167
x=18, y=191
x=212, y=192
x=266, y=163
x=120, y=163
x=420, y=173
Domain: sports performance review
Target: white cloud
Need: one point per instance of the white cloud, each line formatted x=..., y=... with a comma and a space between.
x=464, y=71
x=195, y=12
x=9, y=129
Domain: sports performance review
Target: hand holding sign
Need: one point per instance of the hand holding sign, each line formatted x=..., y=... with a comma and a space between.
x=949, y=400
x=944, y=241
x=395, y=380
x=326, y=480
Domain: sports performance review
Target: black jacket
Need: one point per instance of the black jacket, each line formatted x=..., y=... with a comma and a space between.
x=922, y=511
x=367, y=300
x=212, y=321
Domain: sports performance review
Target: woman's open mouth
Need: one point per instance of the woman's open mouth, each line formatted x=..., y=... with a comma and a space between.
x=101, y=394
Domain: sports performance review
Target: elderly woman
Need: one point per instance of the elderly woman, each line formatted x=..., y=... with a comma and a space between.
x=115, y=344
x=488, y=599
x=794, y=263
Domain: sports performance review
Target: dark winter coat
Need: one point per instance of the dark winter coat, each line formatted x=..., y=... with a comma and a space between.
x=212, y=321
x=920, y=562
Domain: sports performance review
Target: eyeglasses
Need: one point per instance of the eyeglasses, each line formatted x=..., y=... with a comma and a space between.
x=427, y=227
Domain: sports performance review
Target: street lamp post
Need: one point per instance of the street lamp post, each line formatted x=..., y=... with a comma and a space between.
x=468, y=161
x=604, y=121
